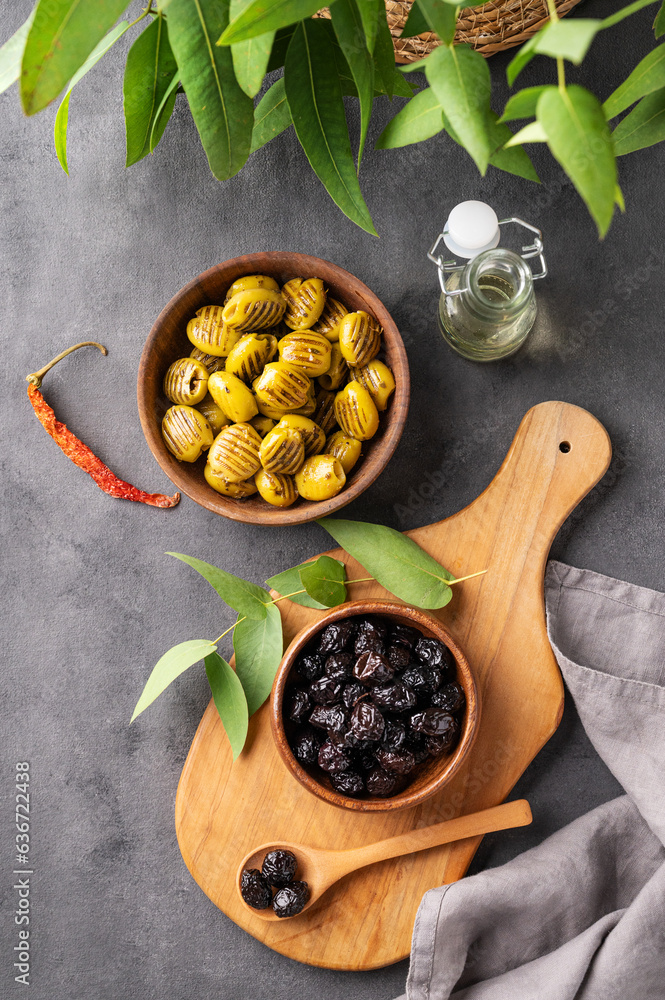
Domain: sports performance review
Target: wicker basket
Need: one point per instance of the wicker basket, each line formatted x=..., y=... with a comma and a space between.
x=491, y=27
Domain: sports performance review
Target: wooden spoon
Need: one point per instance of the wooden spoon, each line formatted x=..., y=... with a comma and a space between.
x=321, y=869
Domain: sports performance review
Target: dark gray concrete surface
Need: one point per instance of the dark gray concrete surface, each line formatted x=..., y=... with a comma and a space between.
x=90, y=598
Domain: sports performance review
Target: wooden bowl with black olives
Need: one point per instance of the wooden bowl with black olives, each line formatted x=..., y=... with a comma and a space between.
x=374, y=707
x=273, y=388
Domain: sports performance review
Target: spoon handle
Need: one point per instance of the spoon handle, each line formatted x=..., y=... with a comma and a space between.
x=502, y=817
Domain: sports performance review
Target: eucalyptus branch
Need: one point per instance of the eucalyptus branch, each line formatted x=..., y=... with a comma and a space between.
x=145, y=13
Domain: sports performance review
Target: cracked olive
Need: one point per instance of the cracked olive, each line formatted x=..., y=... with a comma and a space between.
x=232, y=396
x=305, y=300
x=355, y=411
x=262, y=424
x=212, y=362
x=320, y=478
x=250, y=355
x=186, y=381
x=281, y=386
x=251, y=281
x=337, y=373
x=359, y=338
x=186, y=432
x=234, y=454
x=345, y=449
x=213, y=414
x=312, y=435
x=208, y=331
x=378, y=380
x=254, y=309
x=282, y=450
x=275, y=488
x=308, y=351
x=237, y=491
x=329, y=320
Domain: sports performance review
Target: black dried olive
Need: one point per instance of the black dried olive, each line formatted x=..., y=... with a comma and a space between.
x=329, y=717
x=373, y=668
x=279, y=867
x=394, y=735
x=299, y=704
x=333, y=758
x=367, y=723
x=325, y=691
x=336, y=636
x=352, y=693
x=339, y=665
x=398, y=657
x=255, y=889
x=306, y=745
x=399, y=761
x=291, y=899
x=348, y=783
x=381, y=783
x=450, y=697
x=433, y=653
x=443, y=743
x=404, y=635
x=365, y=760
x=371, y=636
x=311, y=667
x=433, y=722
x=422, y=679
x=395, y=697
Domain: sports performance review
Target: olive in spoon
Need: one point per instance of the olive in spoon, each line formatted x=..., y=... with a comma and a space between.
x=321, y=869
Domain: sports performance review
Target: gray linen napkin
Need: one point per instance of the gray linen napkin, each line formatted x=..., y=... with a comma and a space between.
x=581, y=916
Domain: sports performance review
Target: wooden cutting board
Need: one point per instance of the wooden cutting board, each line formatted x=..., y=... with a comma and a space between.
x=222, y=810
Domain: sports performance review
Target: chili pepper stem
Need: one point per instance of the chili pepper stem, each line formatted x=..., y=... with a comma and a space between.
x=36, y=377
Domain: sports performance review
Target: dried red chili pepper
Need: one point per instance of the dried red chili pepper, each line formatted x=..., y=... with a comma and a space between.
x=78, y=452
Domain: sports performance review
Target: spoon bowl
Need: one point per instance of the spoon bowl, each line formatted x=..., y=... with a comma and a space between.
x=321, y=868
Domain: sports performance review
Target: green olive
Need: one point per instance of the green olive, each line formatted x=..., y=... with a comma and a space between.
x=305, y=300
x=329, y=320
x=282, y=450
x=356, y=413
x=234, y=454
x=262, y=424
x=208, y=331
x=274, y=413
x=233, y=396
x=312, y=435
x=338, y=372
x=324, y=414
x=346, y=449
x=275, y=488
x=251, y=281
x=213, y=362
x=308, y=407
x=281, y=386
x=186, y=432
x=213, y=413
x=186, y=381
x=359, y=338
x=250, y=355
x=254, y=309
x=238, y=491
x=378, y=380
x=320, y=478
x=309, y=352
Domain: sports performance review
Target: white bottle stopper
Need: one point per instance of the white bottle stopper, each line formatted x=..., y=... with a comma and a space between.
x=472, y=227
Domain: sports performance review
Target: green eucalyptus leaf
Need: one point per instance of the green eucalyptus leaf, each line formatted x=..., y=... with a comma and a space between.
x=579, y=138
x=644, y=126
x=533, y=132
x=266, y=15
x=384, y=50
x=315, y=98
x=280, y=47
x=230, y=701
x=394, y=560
x=289, y=583
x=244, y=597
x=619, y=15
x=258, y=647
x=149, y=73
x=369, y=15
x=514, y=160
x=569, y=39
x=441, y=18
x=416, y=23
x=250, y=58
x=170, y=666
x=522, y=104
x=401, y=87
x=61, y=37
x=62, y=117
x=659, y=23
x=524, y=55
x=222, y=111
x=348, y=26
x=11, y=55
x=648, y=75
x=324, y=579
x=460, y=78
x=272, y=115
x=164, y=111
x=418, y=120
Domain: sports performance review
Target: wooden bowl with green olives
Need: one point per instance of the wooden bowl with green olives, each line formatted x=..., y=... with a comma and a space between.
x=205, y=479
x=374, y=707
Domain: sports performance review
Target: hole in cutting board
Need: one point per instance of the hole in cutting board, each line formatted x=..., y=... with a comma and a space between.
x=564, y=447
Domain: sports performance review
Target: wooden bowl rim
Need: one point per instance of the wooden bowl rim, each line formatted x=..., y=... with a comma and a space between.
x=410, y=615
x=373, y=463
